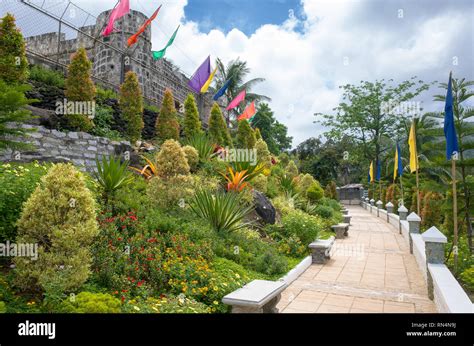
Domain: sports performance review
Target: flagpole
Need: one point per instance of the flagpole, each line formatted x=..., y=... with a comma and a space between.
x=417, y=168
x=401, y=188
x=455, y=214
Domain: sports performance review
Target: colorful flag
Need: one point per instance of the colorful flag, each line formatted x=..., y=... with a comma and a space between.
x=235, y=102
x=201, y=75
x=161, y=53
x=122, y=9
x=221, y=90
x=133, y=39
x=209, y=81
x=397, y=163
x=379, y=171
x=449, y=128
x=371, y=171
x=412, y=145
x=248, y=113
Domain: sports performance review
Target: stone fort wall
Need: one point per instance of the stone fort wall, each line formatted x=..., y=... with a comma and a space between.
x=110, y=64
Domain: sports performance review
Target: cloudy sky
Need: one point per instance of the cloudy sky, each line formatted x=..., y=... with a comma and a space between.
x=305, y=49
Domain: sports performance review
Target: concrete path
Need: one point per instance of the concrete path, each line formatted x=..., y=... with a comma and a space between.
x=371, y=270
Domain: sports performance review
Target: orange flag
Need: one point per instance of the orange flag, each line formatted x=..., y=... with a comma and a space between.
x=133, y=39
x=248, y=112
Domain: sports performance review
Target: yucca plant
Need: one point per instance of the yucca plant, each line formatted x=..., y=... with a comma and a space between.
x=203, y=144
x=235, y=182
x=288, y=184
x=223, y=211
x=148, y=171
x=112, y=175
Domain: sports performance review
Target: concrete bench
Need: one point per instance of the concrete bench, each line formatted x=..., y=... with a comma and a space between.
x=347, y=219
x=341, y=230
x=345, y=212
x=320, y=250
x=258, y=296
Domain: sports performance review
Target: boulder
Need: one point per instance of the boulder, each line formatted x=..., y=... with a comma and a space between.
x=264, y=207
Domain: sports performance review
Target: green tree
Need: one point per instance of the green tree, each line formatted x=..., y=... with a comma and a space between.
x=59, y=216
x=245, y=135
x=80, y=88
x=192, y=123
x=273, y=133
x=167, y=126
x=131, y=106
x=12, y=102
x=218, y=131
x=13, y=62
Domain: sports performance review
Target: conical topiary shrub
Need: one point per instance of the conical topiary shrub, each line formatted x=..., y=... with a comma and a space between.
x=131, y=106
x=192, y=123
x=167, y=126
x=13, y=62
x=218, y=131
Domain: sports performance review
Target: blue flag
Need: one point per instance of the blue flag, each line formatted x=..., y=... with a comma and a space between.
x=221, y=90
x=449, y=128
x=399, y=163
x=379, y=171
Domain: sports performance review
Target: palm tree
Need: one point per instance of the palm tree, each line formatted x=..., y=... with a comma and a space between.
x=237, y=70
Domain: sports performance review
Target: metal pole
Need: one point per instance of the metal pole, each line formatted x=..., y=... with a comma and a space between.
x=455, y=214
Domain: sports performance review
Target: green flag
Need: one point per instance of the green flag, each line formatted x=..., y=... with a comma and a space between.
x=161, y=53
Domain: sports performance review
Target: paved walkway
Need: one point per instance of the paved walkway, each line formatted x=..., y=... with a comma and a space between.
x=371, y=270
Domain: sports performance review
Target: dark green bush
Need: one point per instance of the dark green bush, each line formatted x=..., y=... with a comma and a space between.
x=47, y=76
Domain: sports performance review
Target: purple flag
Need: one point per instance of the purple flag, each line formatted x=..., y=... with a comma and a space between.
x=201, y=75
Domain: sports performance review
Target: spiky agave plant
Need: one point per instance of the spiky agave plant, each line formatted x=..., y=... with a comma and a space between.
x=203, y=144
x=112, y=174
x=224, y=211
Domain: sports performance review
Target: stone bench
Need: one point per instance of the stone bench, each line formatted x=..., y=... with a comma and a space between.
x=320, y=250
x=258, y=296
x=347, y=219
x=345, y=212
x=341, y=230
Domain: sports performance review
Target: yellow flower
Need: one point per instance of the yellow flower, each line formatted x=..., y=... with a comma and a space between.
x=215, y=302
x=136, y=308
x=237, y=276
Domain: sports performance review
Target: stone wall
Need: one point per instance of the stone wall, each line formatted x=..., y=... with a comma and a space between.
x=79, y=148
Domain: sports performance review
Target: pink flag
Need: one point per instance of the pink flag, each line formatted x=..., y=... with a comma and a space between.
x=122, y=9
x=235, y=102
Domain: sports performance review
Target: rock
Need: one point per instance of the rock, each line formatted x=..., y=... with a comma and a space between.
x=264, y=207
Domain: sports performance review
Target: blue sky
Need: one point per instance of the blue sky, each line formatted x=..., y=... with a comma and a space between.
x=246, y=15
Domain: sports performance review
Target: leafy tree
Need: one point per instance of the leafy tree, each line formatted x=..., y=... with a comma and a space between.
x=273, y=133
x=167, y=126
x=218, y=131
x=192, y=123
x=131, y=106
x=370, y=114
x=245, y=135
x=80, y=88
x=13, y=62
x=12, y=102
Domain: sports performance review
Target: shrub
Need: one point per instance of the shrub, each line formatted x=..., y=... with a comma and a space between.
x=305, y=227
x=60, y=217
x=102, y=95
x=167, y=126
x=315, y=192
x=112, y=175
x=170, y=192
x=47, y=76
x=330, y=190
x=467, y=277
x=304, y=182
x=18, y=182
x=393, y=195
x=192, y=123
x=91, y=303
x=324, y=211
x=12, y=103
x=131, y=106
x=292, y=246
x=3, y=307
x=258, y=135
x=166, y=305
x=192, y=156
x=13, y=62
x=202, y=144
x=245, y=135
x=263, y=154
x=218, y=131
x=431, y=212
x=171, y=160
x=260, y=183
x=291, y=169
x=224, y=211
x=103, y=120
x=269, y=263
x=79, y=87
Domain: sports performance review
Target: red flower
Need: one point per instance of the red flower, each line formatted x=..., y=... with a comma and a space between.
x=133, y=217
x=139, y=283
x=123, y=299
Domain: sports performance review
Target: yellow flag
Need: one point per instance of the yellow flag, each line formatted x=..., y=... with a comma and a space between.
x=395, y=165
x=412, y=145
x=209, y=81
x=371, y=171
